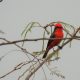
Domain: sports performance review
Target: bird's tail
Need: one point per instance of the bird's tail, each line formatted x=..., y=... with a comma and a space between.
x=45, y=54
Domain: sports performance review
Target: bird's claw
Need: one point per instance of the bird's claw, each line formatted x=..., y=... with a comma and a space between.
x=60, y=47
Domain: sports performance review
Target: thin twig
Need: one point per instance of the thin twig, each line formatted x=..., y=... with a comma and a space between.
x=17, y=67
x=24, y=50
x=37, y=39
x=29, y=75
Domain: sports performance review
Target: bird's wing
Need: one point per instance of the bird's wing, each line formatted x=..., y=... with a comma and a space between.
x=50, y=41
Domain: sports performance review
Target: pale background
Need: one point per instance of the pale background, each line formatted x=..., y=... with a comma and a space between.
x=16, y=14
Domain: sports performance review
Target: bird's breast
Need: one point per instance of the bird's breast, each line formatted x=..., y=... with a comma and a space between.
x=59, y=34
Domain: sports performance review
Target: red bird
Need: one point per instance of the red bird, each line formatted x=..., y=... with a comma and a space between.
x=57, y=33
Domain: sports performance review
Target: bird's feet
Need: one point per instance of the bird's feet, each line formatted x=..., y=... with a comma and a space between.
x=60, y=47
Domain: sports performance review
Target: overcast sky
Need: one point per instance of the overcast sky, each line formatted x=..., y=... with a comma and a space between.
x=16, y=14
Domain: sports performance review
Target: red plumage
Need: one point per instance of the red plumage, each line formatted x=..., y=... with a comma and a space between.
x=57, y=36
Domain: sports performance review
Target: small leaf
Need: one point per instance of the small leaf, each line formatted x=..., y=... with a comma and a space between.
x=38, y=52
x=35, y=53
x=28, y=29
x=56, y=72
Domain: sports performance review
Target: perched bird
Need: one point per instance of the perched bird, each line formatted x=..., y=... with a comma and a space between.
x=57, y=36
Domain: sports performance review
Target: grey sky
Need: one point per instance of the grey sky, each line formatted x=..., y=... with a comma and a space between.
x=14, y=16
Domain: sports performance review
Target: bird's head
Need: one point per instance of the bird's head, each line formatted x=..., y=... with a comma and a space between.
x=58, y=25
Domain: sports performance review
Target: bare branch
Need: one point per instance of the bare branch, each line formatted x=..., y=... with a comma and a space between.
x=35, y=62
x=37, y=39
x=17, y=67
x=29, y=75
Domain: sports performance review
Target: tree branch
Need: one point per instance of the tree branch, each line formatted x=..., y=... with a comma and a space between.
x=29, y=75
x=37, y=39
